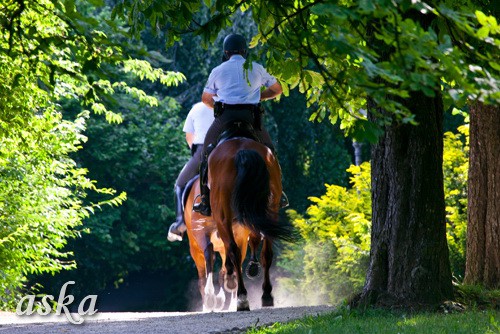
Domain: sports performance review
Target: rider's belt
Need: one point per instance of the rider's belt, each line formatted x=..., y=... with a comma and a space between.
x=239, y=106
x=219, y=107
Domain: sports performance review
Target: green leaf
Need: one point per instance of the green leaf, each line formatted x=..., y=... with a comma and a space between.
x=481, y=18
x=483, y=32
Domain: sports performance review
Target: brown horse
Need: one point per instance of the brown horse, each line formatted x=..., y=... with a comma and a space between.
x=245, y=190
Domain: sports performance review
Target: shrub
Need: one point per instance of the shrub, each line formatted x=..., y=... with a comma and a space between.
x=336, y=241
x=455, y=166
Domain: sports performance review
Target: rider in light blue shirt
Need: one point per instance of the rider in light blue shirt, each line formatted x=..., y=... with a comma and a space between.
x=230, y=83
x=236, y=93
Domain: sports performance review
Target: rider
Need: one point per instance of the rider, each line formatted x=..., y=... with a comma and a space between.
x=196, y=125
x=235, y=92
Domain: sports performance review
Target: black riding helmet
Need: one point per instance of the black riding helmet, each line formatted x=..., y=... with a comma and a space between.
x=234, y=44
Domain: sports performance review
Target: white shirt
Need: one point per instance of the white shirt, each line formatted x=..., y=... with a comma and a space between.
x=198, y=120
x=234, y=85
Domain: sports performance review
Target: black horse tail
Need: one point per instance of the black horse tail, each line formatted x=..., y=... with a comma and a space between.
x=250, y=198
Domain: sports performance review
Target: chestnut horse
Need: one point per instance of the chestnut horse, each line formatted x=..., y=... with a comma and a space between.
x=245, y=190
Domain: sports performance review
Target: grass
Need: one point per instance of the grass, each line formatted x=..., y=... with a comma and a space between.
x=383, y=321
x=482, y=315
x=478, y=297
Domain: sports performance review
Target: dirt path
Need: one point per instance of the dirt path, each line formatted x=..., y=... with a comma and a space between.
x=148, y=323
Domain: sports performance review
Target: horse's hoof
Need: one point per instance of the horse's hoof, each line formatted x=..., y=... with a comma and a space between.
x=243, y=305
x=267, y=301
x=230, y=283
x=253, y=270
x=209, y=303
x=245, y=308
x=220, y=300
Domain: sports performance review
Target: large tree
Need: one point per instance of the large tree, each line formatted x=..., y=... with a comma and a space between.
x=397, y=56
x=483, y=237
x=409, y=260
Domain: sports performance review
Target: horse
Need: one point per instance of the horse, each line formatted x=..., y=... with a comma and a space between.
x=245, y=190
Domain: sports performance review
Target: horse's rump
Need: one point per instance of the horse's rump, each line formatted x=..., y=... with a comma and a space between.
x=245, y=174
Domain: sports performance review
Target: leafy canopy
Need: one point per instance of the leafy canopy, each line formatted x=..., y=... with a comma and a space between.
x=339, y=53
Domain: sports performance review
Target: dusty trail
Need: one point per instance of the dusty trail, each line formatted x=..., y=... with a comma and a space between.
x=157, y=322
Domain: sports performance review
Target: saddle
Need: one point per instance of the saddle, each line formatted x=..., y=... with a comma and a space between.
x=235, y=129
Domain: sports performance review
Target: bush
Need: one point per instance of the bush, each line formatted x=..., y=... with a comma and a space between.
x=455, y=166
x=336, y=241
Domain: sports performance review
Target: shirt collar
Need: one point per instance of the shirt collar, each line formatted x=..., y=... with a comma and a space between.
x=236, y=57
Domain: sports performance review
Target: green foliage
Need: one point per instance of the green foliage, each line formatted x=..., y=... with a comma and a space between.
x=340, y=53
x=336, y=237
x=49, y=51
x=142, y=157
x=310, y=154
x=41, y=199
x=455, y=167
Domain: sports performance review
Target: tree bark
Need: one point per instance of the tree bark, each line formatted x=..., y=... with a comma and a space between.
x=483, y=228
x=409, y=264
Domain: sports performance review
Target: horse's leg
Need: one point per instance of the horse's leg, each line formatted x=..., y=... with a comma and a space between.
x=199, y=261
x=221, y=296
x=209, y=300
x=235, y=257
x=233, y=262
x=267, y=260
x=220, y=302
x=253, y=269
x=228, y=281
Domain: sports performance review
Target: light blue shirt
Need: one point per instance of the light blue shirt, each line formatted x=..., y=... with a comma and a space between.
x=234, y=85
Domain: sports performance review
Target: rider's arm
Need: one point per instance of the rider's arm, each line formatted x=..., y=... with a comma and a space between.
x=189, y=138
x=208, y=99
x=271, y=92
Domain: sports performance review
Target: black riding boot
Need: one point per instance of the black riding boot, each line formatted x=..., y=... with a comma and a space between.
x=203, y=206
x=178, y=228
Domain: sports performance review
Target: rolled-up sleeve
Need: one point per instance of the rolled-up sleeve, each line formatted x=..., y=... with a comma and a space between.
x=210, y=86
x=267, y=79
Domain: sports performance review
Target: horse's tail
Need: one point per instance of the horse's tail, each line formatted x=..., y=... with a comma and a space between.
x=250, y=198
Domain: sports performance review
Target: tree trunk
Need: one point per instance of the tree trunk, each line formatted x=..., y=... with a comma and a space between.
x=409, y=264
x=483, y=228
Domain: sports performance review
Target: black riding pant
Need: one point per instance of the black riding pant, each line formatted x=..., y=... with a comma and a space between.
x=191, y=168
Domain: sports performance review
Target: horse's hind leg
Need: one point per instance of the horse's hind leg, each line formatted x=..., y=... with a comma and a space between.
x=229, y=282
x=267, y=260
x=234, y=266
x=199, y=260
x=253, y=269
